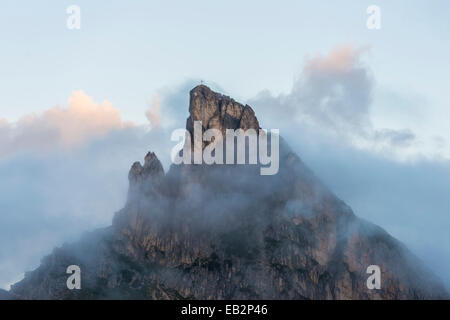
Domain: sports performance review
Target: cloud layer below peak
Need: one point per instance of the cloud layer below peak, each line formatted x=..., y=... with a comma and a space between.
x=333, y=95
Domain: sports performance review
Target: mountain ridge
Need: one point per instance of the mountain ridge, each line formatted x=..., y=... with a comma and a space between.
x=226, y=232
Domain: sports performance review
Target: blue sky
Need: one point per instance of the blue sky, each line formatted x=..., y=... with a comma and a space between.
x=127, y=50
x=266, y=53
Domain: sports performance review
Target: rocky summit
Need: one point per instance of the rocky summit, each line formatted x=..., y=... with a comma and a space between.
x=226, y=232
x=217, y=111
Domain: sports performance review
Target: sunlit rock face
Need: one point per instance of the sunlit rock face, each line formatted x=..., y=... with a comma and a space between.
x=217, y=111
x=226, y=232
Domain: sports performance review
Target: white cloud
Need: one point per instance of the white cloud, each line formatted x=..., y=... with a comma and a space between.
x=154, y=113
x=333, y=96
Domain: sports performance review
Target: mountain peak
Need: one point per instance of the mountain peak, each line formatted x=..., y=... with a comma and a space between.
x=227, y=232
x=202, y=89
x=217, y=111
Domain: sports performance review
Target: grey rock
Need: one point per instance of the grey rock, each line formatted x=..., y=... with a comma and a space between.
x=4, y=295
x=225, y=232
x=217, y=111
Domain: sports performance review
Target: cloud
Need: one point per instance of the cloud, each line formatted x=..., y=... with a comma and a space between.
x=65, y=171
x=340, y=60
x=170, y=108
x=333, y=94
x=327, y=118
x=335, y=90
x=396, y=138
x=408, y=199
x=58, y=127
x=154, y=112
x=51, y=197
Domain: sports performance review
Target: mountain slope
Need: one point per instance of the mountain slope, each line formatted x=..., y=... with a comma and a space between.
x=4, y=295
x=226, y=232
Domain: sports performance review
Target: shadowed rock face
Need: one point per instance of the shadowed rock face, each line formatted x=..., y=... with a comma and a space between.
x=226, y=232
x=139, y=175
x=4, y=295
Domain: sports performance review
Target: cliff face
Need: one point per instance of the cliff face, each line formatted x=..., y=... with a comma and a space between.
x=226, y=232
x=217, y=111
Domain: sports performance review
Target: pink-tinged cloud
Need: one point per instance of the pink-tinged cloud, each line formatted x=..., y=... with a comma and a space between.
x=332, y=96
x=341, y=59
x=59, y=127
x=334, y=91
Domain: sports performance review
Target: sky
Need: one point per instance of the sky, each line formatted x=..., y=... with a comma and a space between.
x=366, y=109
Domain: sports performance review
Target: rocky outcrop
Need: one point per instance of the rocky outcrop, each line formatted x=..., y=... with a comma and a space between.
x=217, y=111
x=142, y=178
x=226, y=232
x=152, y=168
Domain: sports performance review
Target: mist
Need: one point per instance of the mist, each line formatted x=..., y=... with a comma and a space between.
x=48, y=198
